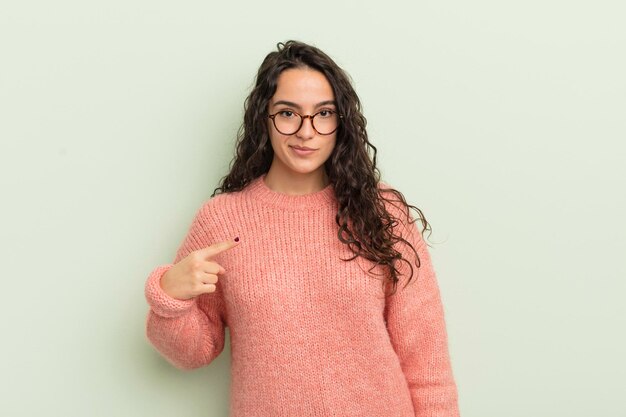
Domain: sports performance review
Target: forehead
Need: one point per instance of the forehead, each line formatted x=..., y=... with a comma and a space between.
x=304, y=86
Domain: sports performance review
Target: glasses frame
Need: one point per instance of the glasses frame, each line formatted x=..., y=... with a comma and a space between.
x=302, y=117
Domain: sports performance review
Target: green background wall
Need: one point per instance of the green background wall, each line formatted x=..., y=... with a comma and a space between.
x=503, y=121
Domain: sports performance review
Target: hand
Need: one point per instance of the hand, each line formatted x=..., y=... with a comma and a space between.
x=195, y=274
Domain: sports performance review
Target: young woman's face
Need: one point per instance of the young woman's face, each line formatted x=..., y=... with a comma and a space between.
x=305, y=91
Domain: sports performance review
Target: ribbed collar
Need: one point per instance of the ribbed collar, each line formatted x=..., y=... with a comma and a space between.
x=259, y=191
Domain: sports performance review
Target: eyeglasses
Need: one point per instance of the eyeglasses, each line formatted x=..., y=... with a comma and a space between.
x=289, y=122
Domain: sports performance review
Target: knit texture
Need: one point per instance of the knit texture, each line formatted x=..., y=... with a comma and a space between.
x=311, y=335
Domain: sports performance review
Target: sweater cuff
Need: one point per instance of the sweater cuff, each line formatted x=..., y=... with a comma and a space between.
x=161, y=303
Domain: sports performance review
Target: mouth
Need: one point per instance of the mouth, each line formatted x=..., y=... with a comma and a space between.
x=303, y=148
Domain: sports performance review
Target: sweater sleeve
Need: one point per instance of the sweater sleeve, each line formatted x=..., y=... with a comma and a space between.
x=416, y=325
x=188, y=333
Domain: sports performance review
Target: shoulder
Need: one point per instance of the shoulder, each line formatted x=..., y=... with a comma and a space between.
x=393, y=200
x=217, y=206
x=387, y=190
x=406, y=223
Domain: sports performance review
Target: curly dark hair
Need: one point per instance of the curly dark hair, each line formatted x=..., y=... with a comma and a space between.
x=365, y=224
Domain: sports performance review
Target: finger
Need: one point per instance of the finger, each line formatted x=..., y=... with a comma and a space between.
x=209, y=288
x=213, y=268
x=210, y=279
x=216, y=248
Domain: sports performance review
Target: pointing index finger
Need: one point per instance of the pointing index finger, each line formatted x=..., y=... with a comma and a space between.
x=216, y=248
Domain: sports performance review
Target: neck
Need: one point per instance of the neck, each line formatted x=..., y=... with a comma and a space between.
x=296, y=184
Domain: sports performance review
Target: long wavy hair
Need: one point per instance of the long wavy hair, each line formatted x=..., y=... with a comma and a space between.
x=365, y=225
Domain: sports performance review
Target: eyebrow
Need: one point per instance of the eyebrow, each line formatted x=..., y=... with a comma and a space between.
x=292, y=104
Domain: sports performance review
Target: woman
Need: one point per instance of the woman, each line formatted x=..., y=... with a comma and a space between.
x=301, y=255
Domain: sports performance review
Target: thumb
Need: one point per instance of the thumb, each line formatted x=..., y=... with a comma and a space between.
x=216, y=248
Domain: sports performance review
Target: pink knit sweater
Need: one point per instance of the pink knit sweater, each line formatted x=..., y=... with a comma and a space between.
x=311, y=335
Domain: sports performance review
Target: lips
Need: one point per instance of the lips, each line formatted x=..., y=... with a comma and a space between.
x=303, y=148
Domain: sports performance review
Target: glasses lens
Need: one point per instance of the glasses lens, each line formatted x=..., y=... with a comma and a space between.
x=287, y=122
x=325, y=122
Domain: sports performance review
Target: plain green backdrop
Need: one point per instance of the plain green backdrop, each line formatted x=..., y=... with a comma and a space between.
x=503, y=121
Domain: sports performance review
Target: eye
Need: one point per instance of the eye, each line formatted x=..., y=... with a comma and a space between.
x=325, y=113
x=287, y=114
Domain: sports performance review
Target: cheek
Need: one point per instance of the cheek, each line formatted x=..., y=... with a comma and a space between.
x=277, y=142
x=331, y=145
x=275, y=137
x=272, y=133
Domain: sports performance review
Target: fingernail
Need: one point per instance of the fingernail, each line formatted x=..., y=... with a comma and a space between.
x=237, y=239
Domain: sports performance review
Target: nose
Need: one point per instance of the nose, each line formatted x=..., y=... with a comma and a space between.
x=306, y=130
